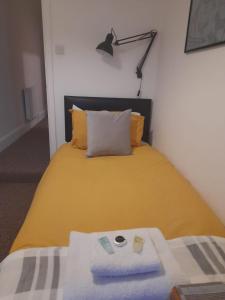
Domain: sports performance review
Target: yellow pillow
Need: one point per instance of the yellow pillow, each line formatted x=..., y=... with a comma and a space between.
x=137, y=128
x=79, y=135
x=79, y=124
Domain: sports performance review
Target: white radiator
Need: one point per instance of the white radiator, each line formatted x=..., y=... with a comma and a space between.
x=28, y=105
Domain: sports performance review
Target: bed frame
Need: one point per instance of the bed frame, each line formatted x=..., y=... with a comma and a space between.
x=143, y=106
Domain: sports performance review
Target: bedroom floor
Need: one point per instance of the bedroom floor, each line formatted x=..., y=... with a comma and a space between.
x=21, y=167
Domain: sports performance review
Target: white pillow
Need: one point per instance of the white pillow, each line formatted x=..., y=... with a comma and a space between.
x=76, y=108
x=79, y=109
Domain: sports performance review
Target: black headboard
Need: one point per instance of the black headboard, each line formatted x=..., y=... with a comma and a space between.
x=143, y=106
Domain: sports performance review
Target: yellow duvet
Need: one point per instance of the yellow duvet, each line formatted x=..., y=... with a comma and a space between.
x=110, y=193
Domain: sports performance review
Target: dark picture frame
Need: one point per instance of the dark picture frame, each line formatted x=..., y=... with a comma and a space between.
x=206, y=25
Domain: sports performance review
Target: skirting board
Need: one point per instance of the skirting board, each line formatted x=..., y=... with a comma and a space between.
x=16, y=133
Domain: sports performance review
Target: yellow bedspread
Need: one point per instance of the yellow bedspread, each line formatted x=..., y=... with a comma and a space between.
x=109, y=193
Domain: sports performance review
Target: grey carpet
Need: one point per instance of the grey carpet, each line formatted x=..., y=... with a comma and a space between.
x=15, y=200
x=25, y=160
x=21, y=167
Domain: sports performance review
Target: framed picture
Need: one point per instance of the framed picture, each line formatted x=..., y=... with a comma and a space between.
x=206, y=24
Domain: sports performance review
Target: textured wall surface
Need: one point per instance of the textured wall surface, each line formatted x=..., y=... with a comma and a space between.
x=21, y=60
x=77, y=27
x=189, y=118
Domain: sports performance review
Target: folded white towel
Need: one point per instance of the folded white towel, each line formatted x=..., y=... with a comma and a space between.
x=124, y=261
x=80, y=283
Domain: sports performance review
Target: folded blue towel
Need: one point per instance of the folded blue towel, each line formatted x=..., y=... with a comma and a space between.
x=124, y=261
x=81, y=284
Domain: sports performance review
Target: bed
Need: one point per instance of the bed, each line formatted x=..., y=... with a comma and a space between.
x=110, y=193
x=115, y=192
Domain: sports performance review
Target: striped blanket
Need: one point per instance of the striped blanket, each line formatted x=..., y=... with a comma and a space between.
x=39, y=273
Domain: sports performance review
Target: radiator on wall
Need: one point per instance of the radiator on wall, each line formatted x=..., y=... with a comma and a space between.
x=28, y=104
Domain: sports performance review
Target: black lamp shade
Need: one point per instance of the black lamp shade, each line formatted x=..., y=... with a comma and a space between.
x=107, y=44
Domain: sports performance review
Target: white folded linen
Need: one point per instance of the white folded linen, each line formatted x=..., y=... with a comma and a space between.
x=81, y=284
x=124, y=261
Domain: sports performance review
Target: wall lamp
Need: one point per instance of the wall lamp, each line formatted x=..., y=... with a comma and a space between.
x=107, y=46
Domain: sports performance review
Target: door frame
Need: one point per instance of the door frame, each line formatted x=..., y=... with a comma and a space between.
x=49, y=67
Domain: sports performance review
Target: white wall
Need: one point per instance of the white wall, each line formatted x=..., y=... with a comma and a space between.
x=189, y=111
x=21, y=60
x=78, y=26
